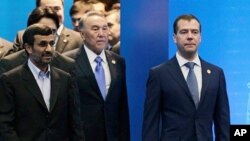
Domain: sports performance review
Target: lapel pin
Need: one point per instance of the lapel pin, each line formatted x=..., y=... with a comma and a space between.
x=113, y=62
x=209, y=71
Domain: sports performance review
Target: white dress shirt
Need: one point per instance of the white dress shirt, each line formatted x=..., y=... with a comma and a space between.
x=45, y=85
x=197, y=69
x=91, y=56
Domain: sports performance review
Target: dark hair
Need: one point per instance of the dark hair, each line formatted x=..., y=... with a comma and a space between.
x=187, y=17
x=42, y=12
x=78, y=6
x=35, y=29
x=38, y=3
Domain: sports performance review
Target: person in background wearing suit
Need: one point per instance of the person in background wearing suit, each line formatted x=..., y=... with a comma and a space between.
x=66, y=39
x=44, y=105
x=43, y=15
x=186, y=94
x=5, y=48
x=77, y=10
x=101, y=80
x=113, y=18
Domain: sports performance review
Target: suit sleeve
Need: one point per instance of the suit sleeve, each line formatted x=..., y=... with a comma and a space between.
x=17, y=44
x=124, y=111
x=76, y=131
x=222, y=113
x=151, y=117
x=7, y=111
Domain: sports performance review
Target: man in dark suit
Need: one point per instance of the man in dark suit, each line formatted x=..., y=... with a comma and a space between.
x=43, y=106
x=186, y=94
x=5, y=48
x=104, y=105
x=66, y=39
x=43, y=15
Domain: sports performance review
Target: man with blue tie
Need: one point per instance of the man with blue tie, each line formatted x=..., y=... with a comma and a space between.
x=43, y=106
x=186, y=95
x=101, y=80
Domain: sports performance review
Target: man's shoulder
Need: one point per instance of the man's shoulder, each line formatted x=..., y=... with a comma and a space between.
x=63, y=58
x=14, y=73
x=72, y=53
x=69, y=32
x=210, y=65
x=12, y=60
x=15, y=56
x=6, y=47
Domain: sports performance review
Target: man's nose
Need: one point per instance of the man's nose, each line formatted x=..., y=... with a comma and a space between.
x=49, y=48
x=189, y=35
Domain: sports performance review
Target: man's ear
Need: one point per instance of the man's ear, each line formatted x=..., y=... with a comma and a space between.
x=174, y=38
x=82, y=35
x=28, y=48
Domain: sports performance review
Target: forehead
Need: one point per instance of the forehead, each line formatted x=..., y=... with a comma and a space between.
x=188, y=24
x=96, y=20
x=39, y=38
x=111, y=17
x=51, y=3
x=48, y=21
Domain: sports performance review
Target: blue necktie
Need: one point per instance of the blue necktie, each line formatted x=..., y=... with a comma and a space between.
x=100, y=76
x=192, y=83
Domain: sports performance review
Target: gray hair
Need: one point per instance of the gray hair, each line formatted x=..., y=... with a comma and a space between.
x=86, y=16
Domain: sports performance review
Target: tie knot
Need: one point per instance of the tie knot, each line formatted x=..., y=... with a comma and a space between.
x=98, y=59
x=190, y=65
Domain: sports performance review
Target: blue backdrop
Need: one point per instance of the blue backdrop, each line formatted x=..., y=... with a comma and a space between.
x=146, y=40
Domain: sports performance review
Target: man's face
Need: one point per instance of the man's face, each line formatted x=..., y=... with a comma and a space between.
x=41, y=53
x=114, y=28
x=75, y=18
x=188, y=37
x=95, y=33
x=57, y=6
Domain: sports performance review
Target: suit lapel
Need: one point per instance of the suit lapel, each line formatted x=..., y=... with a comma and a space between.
x=54, y=88
x=176, y=73
x=206, y=72
x=62, y=41
x=86, y=71
x=112, y=68
x=31, y=84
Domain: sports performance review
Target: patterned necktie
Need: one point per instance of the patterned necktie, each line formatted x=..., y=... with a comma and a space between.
x=192, y=83
x=100, y=76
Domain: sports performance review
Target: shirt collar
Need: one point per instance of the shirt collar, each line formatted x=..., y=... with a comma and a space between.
x=182, y=61
x=35, y=70
x=91, y=55
x=59, y=30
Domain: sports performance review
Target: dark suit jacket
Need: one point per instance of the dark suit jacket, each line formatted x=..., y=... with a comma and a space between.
x=68, y=40
x=24, y=115
x=13, y=60
x=168, y=98
x=103, y=120
x=6, y=47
